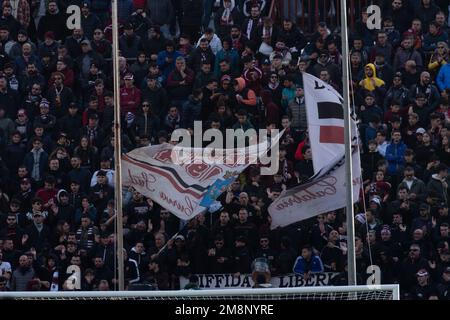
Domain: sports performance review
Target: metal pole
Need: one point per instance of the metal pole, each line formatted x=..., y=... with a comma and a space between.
x=351, y=262
x=117, y=145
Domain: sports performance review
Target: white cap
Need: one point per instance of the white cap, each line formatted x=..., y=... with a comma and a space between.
x=421, y=131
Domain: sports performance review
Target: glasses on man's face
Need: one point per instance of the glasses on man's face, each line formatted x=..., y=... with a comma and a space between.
x=441, y=47
x=263, y=241
x=11, y=219
x=37, y=216
x=146, y=105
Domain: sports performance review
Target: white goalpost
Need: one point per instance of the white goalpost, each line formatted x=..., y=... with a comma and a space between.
x=373, y=292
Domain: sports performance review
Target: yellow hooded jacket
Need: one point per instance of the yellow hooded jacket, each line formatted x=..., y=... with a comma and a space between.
x=366, y=83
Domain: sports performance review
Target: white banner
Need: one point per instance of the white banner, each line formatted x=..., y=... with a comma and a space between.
x=324, y=192
x=325, y=121
x=229, y=281
x=179, y=178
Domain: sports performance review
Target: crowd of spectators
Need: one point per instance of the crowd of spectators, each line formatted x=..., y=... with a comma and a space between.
x=230, y=65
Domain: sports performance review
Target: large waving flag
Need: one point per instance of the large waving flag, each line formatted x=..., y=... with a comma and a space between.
x=325, y=121
x=181, y=185
x=325, y=190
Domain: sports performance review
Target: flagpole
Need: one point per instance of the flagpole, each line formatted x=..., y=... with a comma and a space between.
x=117, y=145
x=351, y=262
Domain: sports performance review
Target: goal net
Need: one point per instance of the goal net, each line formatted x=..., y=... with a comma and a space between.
x=379, y=292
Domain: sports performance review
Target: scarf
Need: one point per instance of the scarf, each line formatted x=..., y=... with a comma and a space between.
x=39, y=227
x=91, y=133
x=226, y=18
x=35, y=173
x=273, y=86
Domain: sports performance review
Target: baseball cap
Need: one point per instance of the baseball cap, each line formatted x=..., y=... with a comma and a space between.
x=44, y=103
x=25, y=181
x=128, y=76
x=422, y=273
x=447, y=270
x=420, y=131
x=179, y=237
x=376, y=200
x=225, y=77
x=424, y=206
x=442, y=205
x=85, y=42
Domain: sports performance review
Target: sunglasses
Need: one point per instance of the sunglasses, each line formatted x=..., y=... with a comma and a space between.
x=37, y=216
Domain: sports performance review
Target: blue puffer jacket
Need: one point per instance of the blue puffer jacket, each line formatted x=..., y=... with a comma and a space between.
x=443, y=77
x=395, y=156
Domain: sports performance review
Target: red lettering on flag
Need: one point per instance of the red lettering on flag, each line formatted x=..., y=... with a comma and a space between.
x=331, y=134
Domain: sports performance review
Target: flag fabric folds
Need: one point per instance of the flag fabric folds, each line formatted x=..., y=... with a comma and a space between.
x=185, y=187
x=325, y=190
x=325, y=121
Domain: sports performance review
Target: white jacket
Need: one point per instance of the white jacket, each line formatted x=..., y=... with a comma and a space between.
x=215, y=43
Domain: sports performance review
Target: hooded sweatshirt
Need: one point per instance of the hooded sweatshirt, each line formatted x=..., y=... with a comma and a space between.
x=248, y=95
x=367, y=84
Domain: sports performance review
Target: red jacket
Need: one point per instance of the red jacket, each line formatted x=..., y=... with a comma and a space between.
x=130, y=99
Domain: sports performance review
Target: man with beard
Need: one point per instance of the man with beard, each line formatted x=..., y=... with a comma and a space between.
x=238, y=39
x=129, y=42
x=22, y=38
x=8, y=20
x=424, y=287
x=22, y=275
x=54, y=21
x=406, y=52
x=156, y=95
x=139, y=209
x=89, y=22
x=401, y=14
x=154, y=42
x=397, y=92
